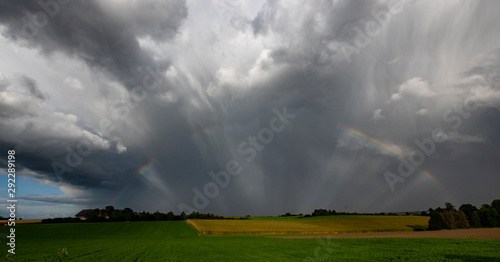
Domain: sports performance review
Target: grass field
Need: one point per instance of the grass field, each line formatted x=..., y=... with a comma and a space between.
x=177, y=241
x=313, y=225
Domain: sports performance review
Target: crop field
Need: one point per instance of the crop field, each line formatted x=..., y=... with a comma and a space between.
x=178, y=241
x=25, y=221
x=314, y=225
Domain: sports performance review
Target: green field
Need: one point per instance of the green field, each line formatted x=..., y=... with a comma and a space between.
x=177, y=241
x=313, y=225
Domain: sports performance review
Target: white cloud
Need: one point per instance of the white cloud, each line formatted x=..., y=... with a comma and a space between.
x=393, y=61
x=377, y=115
x=415, y=87
x=73, y=83
x=34, y=125
x=168, y=97
x=423, y=112
x=120, y=148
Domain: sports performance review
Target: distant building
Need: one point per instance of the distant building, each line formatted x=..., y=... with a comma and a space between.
x=84, y=214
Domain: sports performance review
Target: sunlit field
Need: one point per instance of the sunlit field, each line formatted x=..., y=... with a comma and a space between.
x=293, y=225
x=177, y=241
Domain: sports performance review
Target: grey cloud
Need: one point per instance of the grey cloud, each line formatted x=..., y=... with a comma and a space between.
x=104, y=41
x=159, y=20
x=31, y=86
x=265, y=17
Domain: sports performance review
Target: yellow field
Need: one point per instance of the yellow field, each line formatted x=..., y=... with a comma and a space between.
x=310, y=226
x=24, y=221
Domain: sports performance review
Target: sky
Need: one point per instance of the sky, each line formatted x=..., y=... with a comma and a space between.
x=249, y=107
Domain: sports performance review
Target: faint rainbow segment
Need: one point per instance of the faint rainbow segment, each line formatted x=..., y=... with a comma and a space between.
x=147, y=166
x=390, y=149
x=143, y=170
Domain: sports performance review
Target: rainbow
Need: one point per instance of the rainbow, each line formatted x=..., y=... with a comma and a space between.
x=389, y=148
x=147, y=166
x=209, y=131
x=123, y=190
x=374, y=141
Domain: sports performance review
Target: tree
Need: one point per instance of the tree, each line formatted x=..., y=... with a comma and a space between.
x=436, y=221
x=449, y=206
x=488, y=216
x=96, y=212
x=449, y=218
x=109, y=210
x=468, y=209
x=146, y=216
x=158, y=216
x=320, y=212
x=127, y=210
x=131, y=217
x=496, y=204
x=170, y=215
x=475, y=220
x=117, y=216
x=461, y=220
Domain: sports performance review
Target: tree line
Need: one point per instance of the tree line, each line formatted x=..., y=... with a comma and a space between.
x=110, y=214
x=325, y=212
x=466, y=216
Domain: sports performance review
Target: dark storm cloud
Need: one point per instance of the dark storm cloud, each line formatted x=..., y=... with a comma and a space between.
x=427, y=59
x=103, y=38
x=348, y=94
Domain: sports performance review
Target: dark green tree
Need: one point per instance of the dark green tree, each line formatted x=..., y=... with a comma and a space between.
x=468, y=209
x=475, y=220
x=127, y=210
x=488, y=216
x=170, y=216
x=109, y=210
x=436, y=221
x=117, y=216
x=320, y=212
x=496, y=204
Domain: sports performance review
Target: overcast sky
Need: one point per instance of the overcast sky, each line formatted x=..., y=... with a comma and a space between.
x=367, y=106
